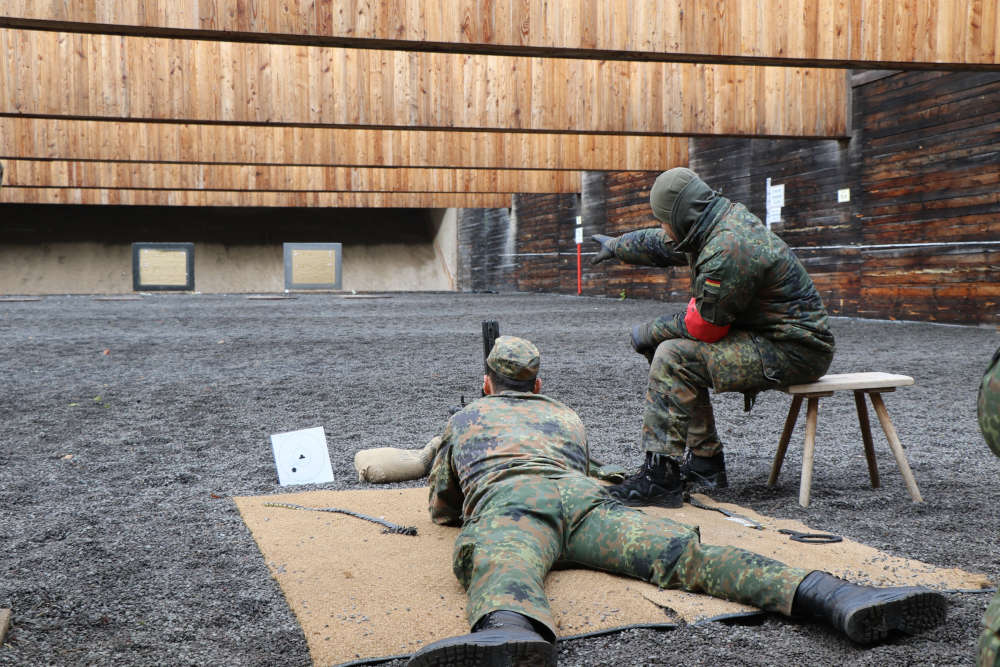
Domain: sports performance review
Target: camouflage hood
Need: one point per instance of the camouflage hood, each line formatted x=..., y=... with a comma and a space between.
x=684, y=202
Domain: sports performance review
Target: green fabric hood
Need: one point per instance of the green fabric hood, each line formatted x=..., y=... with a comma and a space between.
x=678, y=199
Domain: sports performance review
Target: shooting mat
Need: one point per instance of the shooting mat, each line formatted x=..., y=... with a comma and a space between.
x=361, y=594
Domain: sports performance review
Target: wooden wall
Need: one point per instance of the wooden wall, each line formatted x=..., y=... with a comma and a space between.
x=68, y=139
x=171, y=116
x=138, y=78
x=546, y=252
x=952, y=33
x=118, y=197
x=930, y=205
x=919, y=238
x=39, y=173
x=487, y=242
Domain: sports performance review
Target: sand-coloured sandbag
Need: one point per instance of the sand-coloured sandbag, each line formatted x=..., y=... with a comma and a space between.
x=381, y=465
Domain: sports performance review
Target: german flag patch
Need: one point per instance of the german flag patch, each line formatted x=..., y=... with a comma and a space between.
x=713, y=282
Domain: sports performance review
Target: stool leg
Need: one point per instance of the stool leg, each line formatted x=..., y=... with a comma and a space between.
x=896, y=446
x=786, y=435
x=807, y=453
x=866, y=436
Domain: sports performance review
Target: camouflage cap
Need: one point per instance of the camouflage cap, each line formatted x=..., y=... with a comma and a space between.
x=514, y=358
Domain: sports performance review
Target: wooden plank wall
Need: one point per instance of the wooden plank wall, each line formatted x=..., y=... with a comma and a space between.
x=67, y=139
x=487, y=242
x=930, y=165
x=919, y=238
x=812, y=218
x=137, y=78
x=281, y=178
x=117, y=197
x=546, y=252
x=920, y=33
x=627, y=200
x=610, y=203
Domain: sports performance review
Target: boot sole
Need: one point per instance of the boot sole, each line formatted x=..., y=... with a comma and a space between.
x=913, y=613
x=717, y=481
x=463, y=652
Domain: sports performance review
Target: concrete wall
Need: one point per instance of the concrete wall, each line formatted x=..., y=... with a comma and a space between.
x=445, y=222
x=420, y=260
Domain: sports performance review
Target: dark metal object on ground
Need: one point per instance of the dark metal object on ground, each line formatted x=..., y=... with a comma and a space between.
x=491, y=331
x=738, y=518
x=389, y=526
x=811, y=538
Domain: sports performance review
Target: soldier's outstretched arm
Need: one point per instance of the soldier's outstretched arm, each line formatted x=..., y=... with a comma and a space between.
x=643, y=247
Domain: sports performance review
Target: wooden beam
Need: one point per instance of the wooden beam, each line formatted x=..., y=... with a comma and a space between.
x=64, y=139
x=867, y=34
x=101, y=76
x=105, y=196
x=271, y=178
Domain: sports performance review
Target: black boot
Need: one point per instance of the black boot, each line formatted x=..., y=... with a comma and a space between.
x=658, y=482
x=707, y=471
x=499, y=639
x=864, y=613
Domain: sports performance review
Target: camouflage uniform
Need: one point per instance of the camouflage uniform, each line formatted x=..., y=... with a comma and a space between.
x=989, y=424
x=743, y=276
x=989, y=404
x=510, y=470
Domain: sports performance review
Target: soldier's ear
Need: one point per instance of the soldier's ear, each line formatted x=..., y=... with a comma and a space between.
x=538, y=386
x=487, y=385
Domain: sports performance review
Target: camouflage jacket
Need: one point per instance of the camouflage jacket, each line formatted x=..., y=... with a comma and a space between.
x=499, y=438
x=742, y=275
x=988, y=404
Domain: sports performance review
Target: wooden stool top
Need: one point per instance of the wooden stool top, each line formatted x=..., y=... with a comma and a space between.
x=831, y=383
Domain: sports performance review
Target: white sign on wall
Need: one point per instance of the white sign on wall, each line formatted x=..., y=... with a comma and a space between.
x=778, y=195
x=774, y=199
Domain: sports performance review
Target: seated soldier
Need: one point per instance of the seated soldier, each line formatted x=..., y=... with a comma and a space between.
x=755, y=322
x=511, y=470
x=988, y=408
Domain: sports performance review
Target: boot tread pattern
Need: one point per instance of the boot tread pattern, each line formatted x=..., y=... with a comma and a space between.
x=912, y=614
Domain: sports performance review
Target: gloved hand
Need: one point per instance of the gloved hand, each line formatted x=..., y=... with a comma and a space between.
x=643, y=341
x=607, y=250
x=642, y=337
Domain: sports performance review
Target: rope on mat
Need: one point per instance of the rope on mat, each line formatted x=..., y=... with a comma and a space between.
x=390, y=527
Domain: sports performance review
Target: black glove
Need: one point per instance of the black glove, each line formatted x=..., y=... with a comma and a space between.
x=642, y=338
x=607, y=250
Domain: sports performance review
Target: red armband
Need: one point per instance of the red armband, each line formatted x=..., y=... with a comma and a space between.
x=699, y=328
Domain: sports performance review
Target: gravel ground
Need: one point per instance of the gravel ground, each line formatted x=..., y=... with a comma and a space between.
x=127, y=424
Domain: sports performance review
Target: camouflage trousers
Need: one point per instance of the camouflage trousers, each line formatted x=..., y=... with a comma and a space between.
x=503, y=554
x=989, y=641
x=988, y=404
x=678, y=412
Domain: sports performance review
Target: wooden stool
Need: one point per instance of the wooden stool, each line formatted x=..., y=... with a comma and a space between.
x=873, y=384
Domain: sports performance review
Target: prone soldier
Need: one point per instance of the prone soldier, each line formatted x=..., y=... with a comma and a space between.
x=511, y=470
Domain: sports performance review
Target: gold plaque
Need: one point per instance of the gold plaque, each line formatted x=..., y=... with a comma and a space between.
x=314, y=266
x=163, y=267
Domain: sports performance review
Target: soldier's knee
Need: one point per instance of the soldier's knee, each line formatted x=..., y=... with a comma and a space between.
x=670, y=354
